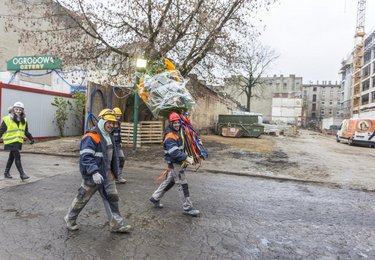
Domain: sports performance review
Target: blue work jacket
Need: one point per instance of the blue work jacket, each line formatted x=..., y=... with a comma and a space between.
x=173, y=146
x=93, y=155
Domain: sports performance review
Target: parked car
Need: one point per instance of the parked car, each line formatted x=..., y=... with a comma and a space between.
x=356, y=131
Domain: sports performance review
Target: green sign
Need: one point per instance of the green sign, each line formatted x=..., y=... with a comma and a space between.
x=44, y=62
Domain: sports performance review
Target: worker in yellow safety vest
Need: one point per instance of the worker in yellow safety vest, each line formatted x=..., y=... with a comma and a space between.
x=13, y=130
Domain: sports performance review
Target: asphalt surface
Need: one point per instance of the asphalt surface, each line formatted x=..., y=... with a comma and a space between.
x=242, y=218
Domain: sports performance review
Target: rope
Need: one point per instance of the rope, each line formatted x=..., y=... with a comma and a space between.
x=90, y=115
x=193, y=146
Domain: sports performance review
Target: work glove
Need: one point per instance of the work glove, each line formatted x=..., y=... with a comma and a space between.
x=190, y=160
x=32, y=141
x=97, y=177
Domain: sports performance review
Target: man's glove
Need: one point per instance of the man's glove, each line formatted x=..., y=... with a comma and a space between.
x=97, y=177
x=190, y=160
x=32, y=141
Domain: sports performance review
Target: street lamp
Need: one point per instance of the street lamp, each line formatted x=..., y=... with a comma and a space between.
x=140, y=68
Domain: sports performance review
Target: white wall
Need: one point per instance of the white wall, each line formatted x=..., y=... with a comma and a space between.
x=40, y=113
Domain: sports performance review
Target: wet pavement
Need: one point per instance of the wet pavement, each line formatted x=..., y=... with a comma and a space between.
x=242, y=218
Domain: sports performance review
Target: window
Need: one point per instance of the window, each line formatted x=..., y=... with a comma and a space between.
x=366, y=71
x=313, y=115
x=330, y=111
x=313, y=107
x=330, y=102
x=366, y=85
x=367, y=56
x=322, y=102
x=365, y=99
x=322, y=112
x=314, y=88
x=314, y=98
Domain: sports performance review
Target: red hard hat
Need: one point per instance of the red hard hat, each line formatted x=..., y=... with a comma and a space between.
x=173, y=117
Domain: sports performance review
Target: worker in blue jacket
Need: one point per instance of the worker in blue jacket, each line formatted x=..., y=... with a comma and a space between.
x=177, y=161
x=117, y=135
x=99, y=168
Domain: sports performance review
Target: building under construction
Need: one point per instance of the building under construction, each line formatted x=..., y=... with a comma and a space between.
x=363, y=68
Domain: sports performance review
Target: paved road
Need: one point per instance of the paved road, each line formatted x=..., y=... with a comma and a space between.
x=242, y=218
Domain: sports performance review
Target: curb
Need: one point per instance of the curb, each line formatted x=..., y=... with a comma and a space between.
x=259, y=176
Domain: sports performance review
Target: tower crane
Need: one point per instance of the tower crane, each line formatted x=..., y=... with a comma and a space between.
x=358, y=56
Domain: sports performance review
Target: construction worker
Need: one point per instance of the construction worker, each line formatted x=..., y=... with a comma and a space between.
x=117, y=136
x=99, y=168
x=13, y=130
x=177, y=161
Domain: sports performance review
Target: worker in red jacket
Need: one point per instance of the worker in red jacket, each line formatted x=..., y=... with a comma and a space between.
x=177, y=161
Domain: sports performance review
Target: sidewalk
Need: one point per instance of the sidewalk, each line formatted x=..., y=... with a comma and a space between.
x=280, y=158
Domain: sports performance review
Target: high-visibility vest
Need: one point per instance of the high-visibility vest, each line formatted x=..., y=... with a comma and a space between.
x=14, y=133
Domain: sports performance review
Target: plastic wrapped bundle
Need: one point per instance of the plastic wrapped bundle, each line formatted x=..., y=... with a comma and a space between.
x=165, y=92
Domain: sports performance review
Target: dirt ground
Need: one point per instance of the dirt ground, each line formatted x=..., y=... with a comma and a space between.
x=309, y=156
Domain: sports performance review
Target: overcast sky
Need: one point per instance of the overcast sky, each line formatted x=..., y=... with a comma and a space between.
x=313, y=36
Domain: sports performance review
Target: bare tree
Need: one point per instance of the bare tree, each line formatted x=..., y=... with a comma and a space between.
x=115, y=32
x=250, y=69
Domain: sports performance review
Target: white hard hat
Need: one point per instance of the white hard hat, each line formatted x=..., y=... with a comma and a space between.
x=19, y=104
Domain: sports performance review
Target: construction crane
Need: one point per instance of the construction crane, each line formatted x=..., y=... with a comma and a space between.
x=358, y=56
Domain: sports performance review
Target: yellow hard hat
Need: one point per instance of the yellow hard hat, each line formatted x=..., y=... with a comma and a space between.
x=117, y=111
x=107, y=114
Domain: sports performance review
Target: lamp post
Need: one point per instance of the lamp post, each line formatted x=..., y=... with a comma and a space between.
x=140, y=68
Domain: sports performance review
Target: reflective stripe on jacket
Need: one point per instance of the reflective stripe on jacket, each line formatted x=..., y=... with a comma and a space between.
x=173, y=148
x=94, y=157
x=14, y=133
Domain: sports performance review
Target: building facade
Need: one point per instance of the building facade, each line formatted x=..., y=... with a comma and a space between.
x=278, y=87
x=320, y=101
x=13, y=44
x=344, y=110
x=364, y=96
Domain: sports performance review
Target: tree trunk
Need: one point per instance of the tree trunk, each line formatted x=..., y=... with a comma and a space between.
x=248, y=96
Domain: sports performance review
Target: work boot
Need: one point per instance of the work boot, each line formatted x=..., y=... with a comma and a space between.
x=71, y=224
x=20, y=169
x=121, y=229
x=191, y=212
x=156, y=203
x=7, y=174
x=116, y=227
x=120, y=181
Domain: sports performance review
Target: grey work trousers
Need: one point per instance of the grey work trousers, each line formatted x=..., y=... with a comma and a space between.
x=109, y=194
x=176, y=175
x=121, y=158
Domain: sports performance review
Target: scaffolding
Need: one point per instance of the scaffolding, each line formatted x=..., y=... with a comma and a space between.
x=358, y=57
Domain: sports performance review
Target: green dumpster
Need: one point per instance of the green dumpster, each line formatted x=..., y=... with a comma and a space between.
x=239, y=126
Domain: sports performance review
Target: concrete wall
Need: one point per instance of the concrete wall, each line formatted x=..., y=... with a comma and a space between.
x=330, y=121
x=209, y=105
x=287, y=110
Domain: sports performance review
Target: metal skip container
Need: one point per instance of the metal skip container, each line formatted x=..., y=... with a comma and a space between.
x=239, y=126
